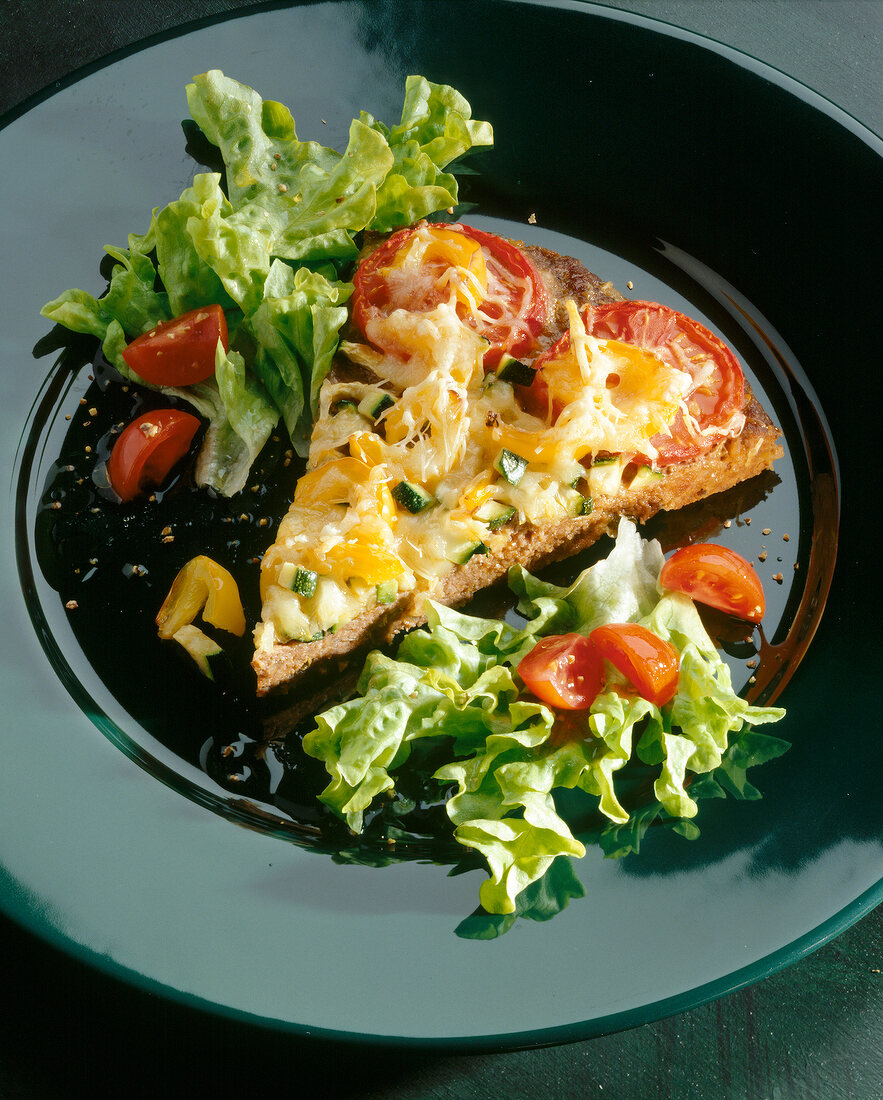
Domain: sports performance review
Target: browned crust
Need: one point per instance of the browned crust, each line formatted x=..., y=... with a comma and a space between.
x=565, y=277
x=732, y=461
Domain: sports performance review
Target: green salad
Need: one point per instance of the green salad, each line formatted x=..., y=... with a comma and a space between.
x=455, y=683
x=272, y=244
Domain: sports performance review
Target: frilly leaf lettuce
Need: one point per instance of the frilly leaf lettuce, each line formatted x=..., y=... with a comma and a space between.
x=509, y=753
x=238, y=428
x=295, y=328
x=273, y=249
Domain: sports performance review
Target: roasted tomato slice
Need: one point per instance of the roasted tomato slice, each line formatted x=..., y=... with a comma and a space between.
x=718, y=392
x=496, y=289
x=647, y=661
x=563, y=670
x=182, y=351
x=717, y=576
x=147, y=450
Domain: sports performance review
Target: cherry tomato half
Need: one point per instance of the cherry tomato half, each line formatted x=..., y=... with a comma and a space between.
x=677, y=340
x=147, y=449
x=563, y=670
x=511, y=300
x=717, y=576
x=182, y=351
x=648, y=662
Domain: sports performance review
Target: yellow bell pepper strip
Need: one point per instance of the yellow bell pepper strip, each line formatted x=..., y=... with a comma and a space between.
x=202, y=585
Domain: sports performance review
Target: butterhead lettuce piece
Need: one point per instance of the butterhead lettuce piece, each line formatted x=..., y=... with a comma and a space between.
x=295, y=327
x=509, y=754
x=620, y=588
x=239, y=428
x=271, y=250
x=131, y=299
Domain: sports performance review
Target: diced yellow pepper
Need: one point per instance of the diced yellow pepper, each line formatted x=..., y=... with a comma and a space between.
x=367, y=447
x=369, y=563
x=480, y=490
x=539, y=446
x=202, y=585
x=386, y=507
x=331, y=483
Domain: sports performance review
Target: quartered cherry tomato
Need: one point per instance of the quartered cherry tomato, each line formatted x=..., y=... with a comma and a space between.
x=563, y=670
x=147, y=450
x=679, y=341
x=179, y=352
x=647, y=661
x=498, y=291
x=717, y=576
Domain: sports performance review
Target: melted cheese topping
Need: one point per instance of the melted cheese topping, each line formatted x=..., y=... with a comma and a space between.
x=443, y=433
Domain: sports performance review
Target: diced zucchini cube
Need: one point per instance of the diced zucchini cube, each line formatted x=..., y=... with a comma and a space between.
x=387, y=592
x=605, y=475
x=494, y=514
x=411, y=497
x=579, y=505
x=510, y=466
x=209, y=657
x=459, y=555
x=514, y=371
x=645, y=476
x=304, y=582
x=375, y=404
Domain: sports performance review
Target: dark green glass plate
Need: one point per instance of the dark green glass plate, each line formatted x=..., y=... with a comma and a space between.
x=707, y=181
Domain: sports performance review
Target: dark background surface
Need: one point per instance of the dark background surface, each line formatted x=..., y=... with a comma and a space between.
x=813, y=1030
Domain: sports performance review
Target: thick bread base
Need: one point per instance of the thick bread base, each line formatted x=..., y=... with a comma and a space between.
x=726, y=465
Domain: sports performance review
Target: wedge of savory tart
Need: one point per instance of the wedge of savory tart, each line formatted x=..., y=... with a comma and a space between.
x=494, y=404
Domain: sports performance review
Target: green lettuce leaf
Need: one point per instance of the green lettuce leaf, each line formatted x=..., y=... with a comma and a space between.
x=271, y=250
x=296, y=328
x=508, y=755
x=241, y=418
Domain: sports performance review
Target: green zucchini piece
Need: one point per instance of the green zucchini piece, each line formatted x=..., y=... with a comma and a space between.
x=510, y=465
x=304, y=582
x=580, y=505
x=210, y=658
x=645, y=476
x=494, y=514
x=461, y=554
x=375, y=404
x=387, y=592
x=340, y=406
x=411, y=497
x=514, y=371
x=605, y=475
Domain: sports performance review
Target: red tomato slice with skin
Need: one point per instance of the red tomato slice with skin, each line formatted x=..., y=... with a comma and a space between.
x=647, y=661
x=677, y=340
x=563, y=670
x=147, y=450
x=512, y=319
x=717, y=576
x=182, y=351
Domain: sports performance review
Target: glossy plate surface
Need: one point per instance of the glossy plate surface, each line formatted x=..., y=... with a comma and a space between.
x=707, y=181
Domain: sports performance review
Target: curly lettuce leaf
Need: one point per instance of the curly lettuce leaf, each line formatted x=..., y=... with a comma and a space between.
x=296, y=328
x=509, y=754
x=131, y=300
x=435, y=129
x=386, y=176
x=239, y=423
x=270, y=251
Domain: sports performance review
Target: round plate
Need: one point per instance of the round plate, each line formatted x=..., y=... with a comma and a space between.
x=706, y=180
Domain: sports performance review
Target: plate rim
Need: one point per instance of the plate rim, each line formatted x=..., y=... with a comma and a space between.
x=714, y=989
